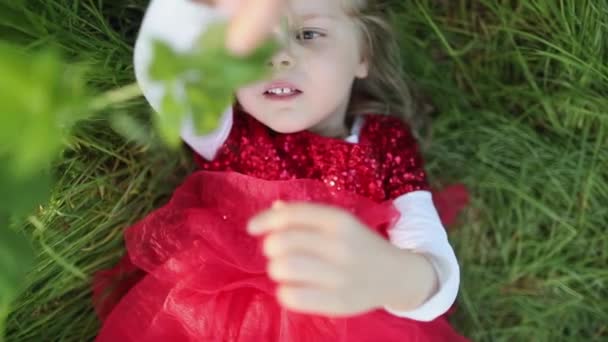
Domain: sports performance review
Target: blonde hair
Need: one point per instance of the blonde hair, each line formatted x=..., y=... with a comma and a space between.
x=385, y=90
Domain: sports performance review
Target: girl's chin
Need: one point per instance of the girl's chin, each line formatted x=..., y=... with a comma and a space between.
x=285, y=121
x=287, y=124
x=286, y=129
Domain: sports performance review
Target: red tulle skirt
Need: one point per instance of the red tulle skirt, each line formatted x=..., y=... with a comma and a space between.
x=192, y=273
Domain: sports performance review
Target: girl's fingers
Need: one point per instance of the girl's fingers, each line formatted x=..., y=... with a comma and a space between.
x=252, y=22
x=305, y=215
x=304, y=241
x=311, y=300
x=304, y=270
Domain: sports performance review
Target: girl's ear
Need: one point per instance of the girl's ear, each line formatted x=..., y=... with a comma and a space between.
x=362, y=69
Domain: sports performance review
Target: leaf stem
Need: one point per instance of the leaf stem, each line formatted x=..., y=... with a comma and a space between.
x=116, y=96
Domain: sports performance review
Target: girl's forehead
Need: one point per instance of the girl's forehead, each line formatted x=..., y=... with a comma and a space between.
x=307, y=9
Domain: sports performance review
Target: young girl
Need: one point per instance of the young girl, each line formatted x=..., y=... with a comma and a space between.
x=353, y=251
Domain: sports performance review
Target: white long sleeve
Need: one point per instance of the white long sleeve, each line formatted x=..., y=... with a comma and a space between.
x=207, y=145
x=177, y=23
x=420, y=230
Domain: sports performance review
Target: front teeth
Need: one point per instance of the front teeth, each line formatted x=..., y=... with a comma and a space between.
x=281, y=91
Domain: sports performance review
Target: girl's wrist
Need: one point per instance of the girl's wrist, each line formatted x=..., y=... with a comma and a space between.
x=412, y=282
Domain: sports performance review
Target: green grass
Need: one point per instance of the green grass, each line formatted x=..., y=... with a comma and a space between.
x=521, y=92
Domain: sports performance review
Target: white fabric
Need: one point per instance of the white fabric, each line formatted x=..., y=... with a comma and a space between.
x=178, y=23
x=420, y=229
x=207, y=145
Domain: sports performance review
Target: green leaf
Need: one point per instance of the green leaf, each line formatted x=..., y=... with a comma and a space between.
x=41, y=98
x=210, y=74
x=166, y=63
x=169, y=120
x=206, y=105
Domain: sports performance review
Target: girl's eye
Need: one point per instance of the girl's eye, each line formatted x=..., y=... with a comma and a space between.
x=308, y=35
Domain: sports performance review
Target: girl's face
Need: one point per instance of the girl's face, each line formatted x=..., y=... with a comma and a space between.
x=312, y=75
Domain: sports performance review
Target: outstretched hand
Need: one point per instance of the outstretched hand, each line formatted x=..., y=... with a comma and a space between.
x=251, y=21
x=325, y=260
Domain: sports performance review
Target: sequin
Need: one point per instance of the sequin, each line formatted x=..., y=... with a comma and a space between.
x=383, y=165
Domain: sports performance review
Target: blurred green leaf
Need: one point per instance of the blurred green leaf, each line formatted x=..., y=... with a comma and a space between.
x=168, y=122
x=209, y=74
x=166, y=65
x=41, y=98
x=208, y=107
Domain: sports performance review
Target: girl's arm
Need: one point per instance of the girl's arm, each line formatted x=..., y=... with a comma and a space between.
x=420, y=230
x=178, y=23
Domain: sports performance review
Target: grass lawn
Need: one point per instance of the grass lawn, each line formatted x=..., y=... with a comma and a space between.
x=519, y=92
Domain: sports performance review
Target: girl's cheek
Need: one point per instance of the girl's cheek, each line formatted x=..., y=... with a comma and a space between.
x=321, y=49
x=325, y=59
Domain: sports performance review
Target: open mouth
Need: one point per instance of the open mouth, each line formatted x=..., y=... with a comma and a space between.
x=281, y=93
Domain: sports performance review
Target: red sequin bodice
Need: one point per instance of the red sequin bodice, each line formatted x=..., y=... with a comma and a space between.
x=383, y=165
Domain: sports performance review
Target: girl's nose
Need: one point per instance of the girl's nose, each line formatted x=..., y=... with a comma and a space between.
x=282, y=60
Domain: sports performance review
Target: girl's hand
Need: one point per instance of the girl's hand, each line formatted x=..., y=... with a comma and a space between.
x=325, y=260
x=251, y=21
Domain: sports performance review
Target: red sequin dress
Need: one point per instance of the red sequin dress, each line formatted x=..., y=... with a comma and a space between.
x=192, y=273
